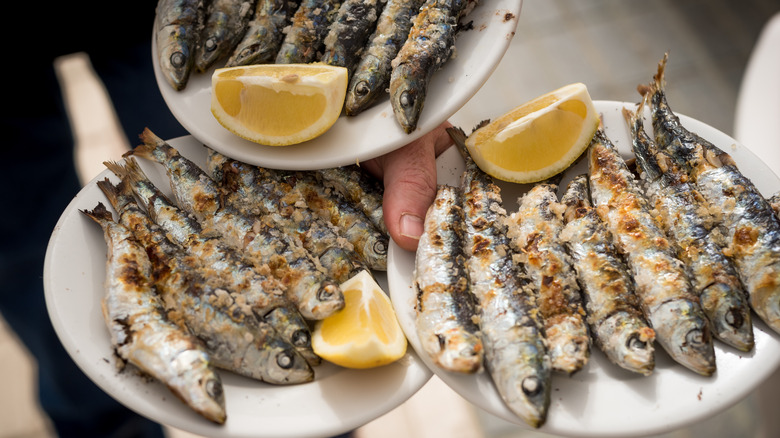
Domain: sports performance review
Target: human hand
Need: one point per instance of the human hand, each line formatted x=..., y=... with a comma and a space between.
x=409, y=177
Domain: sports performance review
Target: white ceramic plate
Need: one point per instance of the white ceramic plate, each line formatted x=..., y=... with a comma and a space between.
x=373, y=132
x=602, y=399
x=338, y=400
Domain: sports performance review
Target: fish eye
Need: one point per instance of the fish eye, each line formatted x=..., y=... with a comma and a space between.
x=531, y=386
x=362, y=89
x=178, y=59
x=695, y=337
x=635, y=343
x=214, y=389
x=285, y=360
x=407, y=100
x=380, y=247
x=301, y=338
x=210, y=44
x=734, y=318
x=326, y=292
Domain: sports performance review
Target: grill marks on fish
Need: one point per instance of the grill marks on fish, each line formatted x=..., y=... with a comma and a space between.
x=750, y=227
x=510, y=327
x=533, y=232
x=371, y=76
x=305, y=36
x=428, y=46
x=264, y=33
x=312, y=290
x=349, y=32
x=177, y=28
x=224, y=25
x=139, y=330
x=445, y=305
x=616, y=321
x=357, y=187
x=261, y=192
x=687, y=219
x=662, y=284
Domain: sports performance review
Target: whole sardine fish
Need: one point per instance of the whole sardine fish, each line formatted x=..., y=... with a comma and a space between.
x=349, y=220
x=509, y=323
x=349, y=32
x=264, y=33
x=246, y=289
x=371, y=76
x=533, y=234
x=446, y=308
x=616, y=321
x=142, y=335
x=662, y=284
x=358, y=187
x=688, y=222
x=224, y=25
x=259, y=192
x=750, y=227
x=315, y=293
x=305, y=36
x=177, y=27
x=428, y=47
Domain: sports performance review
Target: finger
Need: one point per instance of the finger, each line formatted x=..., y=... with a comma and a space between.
x=409, y=175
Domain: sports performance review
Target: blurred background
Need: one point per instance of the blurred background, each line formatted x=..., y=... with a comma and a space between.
x=610, y=45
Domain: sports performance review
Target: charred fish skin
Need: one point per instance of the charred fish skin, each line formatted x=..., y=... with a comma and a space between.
x=661, y=280
x=264, y=33
x=358, y=187
x=305, y=36
x=260, y=192
x=142, y=335
x=315, y=294
x=512, y=334
x=350, y=222
x=445, y=306
x=349, y=32
x=177, y=27
x=750, y=227
x=371, y=76
x=202, y=267
x=617, y=324
x=224, y=25
x=427, y=48
x=533, y=232
x=687, y=220
x=774, y=202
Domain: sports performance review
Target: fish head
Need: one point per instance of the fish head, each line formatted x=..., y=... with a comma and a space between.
x=176, y=56
x=408, y=95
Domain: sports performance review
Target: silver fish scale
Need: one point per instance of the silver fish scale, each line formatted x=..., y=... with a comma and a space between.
x=445, y=305
x=512, y=334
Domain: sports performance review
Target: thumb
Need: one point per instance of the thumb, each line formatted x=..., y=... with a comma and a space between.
x=409, y=175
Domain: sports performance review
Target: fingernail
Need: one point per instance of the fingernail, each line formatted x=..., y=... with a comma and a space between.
x=411, y=225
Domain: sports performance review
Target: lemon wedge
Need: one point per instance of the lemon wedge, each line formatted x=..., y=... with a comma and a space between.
x=278, y=104
x=365, y=333
x=537, y=139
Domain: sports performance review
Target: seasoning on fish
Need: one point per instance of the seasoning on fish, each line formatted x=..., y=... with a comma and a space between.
x=259, y=192
x=688, y=222
x=264, y=33
x=349, y=32
x=428, y=47
x=250, y=288
x=445, y=305
x=371, y=77
x=662, y=283
x=224, y=25
x=315, y=293
x=750, y=227
x=774, y=202
x=347, y=218
x=616, y=321
x=359, y=188
x=177, y=25
x=533, y=235
x=305, y=36
x=512, y=333
x=141, y=334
